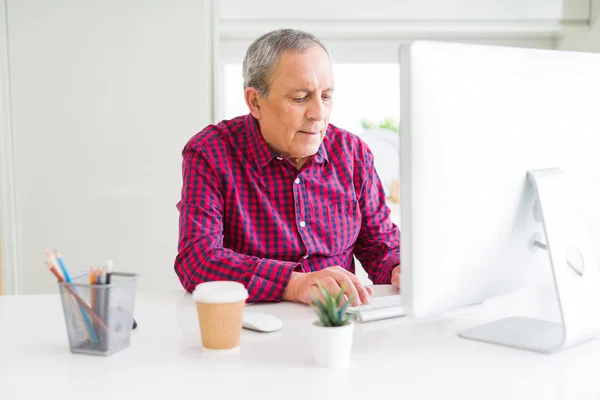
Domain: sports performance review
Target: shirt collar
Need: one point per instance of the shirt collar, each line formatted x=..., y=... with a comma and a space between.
x=321, y=156
x=263, y=154
x=257, y=146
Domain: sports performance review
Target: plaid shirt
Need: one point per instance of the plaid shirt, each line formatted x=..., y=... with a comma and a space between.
x=250, y=216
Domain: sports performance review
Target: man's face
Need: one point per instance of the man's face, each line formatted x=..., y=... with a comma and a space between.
x=293, y=118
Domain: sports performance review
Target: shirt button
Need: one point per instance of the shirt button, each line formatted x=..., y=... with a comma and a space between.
x=297, y=181
x=305, y=257
x=302, y=224
x=279, y=158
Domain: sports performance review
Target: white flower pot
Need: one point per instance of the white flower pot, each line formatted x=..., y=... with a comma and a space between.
x=332, y=346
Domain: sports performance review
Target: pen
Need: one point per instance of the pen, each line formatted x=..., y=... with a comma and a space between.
x=109, y=268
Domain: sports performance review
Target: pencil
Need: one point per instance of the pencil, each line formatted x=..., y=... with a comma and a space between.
x=76, y=309
x=92, y=289
x=103, y=301
x=63, y=267
x=51, y=260
x=67, y=278
x=81, y=302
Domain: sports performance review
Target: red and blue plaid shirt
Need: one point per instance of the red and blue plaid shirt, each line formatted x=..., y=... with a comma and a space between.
x=249, y=215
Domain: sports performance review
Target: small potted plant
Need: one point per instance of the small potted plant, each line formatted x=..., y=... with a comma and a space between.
x=332, y=332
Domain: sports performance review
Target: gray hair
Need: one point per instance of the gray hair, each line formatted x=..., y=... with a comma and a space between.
x=264, y=53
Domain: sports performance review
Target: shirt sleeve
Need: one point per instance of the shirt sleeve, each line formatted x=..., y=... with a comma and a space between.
x=201, y=256
x=378, y=244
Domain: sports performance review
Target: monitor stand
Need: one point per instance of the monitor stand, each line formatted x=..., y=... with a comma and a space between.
x=575, y=271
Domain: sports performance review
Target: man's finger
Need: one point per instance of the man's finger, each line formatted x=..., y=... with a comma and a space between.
x=351, y=290
x=396, y=277
x=344, y=279
x=396, y=281
x=313, y=291
x=363, y=293
x=335, y=275
x=331, y=285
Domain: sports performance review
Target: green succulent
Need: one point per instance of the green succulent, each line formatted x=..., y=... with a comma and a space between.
x=331, y=308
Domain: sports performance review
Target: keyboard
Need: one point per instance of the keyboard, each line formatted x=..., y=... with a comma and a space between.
x=382, y=307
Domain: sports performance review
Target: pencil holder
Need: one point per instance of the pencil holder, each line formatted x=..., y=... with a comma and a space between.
x=99, y=317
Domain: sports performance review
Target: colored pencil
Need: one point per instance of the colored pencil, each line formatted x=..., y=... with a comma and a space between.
x=67, y=278
x=63, y=267
x=76, y=309
x=92, y=289
x=81, y=302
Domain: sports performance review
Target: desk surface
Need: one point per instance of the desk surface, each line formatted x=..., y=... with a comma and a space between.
x=401, y=358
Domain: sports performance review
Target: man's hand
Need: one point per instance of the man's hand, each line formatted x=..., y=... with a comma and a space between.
x=302, y=286
x=396, y=276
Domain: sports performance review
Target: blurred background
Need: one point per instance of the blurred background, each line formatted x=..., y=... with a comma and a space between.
x=97, y=100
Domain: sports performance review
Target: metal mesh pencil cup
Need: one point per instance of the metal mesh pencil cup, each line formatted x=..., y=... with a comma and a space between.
x=99, y=317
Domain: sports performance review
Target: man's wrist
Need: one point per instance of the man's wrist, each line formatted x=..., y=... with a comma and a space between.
x=289, y=294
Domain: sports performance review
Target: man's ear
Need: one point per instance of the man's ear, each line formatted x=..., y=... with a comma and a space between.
x=252, y=98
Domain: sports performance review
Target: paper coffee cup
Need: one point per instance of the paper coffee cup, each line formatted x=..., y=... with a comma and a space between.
x=220, y=306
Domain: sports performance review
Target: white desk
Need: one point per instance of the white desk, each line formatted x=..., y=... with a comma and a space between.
x=400, y=359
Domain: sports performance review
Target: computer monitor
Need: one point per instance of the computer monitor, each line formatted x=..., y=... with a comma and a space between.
x=491, y=139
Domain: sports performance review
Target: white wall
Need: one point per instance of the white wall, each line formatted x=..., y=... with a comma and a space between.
x=104, y=96
x=587, y=40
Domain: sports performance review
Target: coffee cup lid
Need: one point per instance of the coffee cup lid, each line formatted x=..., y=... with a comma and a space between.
x=220, y=292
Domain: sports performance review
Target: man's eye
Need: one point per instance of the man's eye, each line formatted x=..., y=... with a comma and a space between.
x=299, y=99
x=326, y=98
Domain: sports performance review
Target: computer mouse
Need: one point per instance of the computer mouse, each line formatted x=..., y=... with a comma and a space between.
x=261, y=322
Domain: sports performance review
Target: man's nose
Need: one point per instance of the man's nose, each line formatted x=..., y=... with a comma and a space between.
x=317, y=110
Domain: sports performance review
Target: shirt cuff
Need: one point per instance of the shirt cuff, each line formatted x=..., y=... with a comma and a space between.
x=270, y=280
x=387, y=264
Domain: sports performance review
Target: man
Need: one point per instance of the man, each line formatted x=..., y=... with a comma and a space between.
x=280, y=199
